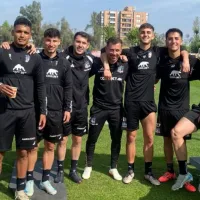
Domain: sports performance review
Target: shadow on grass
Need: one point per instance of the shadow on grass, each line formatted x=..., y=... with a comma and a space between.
x=101, y=164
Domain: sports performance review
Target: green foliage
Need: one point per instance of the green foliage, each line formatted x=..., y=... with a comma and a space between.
x=159, y=40
x=131, y=38
x=195, y=42
x=94, y=25
x=109, y=31
x=33, y=13
x=66, y=33
x=5, y=32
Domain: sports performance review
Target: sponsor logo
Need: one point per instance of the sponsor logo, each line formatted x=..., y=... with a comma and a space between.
x=150, y=54
x=143, y=65
x=101, y=70
x=27, y=139
x=81, y=128
x=52, y=73
x=87, y=65
x=27, y=58
x=93, y=121
x=175, y=74
x=172, y=66
x=54, y=136
x=34, y=143
x=113, y=79
x=120, y=69
x=19, y=69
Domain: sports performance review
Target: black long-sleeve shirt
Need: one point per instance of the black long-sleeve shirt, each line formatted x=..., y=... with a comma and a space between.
x=24, y=71
x=108, y=94
x=58, y=81
x=80, y=67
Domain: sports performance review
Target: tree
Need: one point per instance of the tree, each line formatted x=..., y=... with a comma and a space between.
x=96, y=29
x=109, y=31
x=33, y=13
x=5, y=32
x=66, y=33
x=132, y=37
x=159, y=40
x=196, y=26
x=195, y=42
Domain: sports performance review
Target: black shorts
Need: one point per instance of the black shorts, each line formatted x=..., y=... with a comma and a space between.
x=53, y=131
x=193, y=115
x=78, y=124
x=136, y=111
x=20, y=123
x=166, y=121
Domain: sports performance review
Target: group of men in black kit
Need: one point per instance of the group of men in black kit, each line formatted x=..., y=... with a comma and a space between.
x=57, y=86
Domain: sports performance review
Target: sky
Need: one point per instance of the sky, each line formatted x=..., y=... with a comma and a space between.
x=162, y=14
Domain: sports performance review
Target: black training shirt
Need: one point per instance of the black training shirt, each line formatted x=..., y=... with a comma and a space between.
x=24, y=71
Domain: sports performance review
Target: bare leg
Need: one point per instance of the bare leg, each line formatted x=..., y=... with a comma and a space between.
x=182, y=128
x=130, y=146
x=61, y=148
x=148, y=125
x=1, y=160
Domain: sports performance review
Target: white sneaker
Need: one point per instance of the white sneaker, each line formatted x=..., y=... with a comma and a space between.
x=20, y=195
x=128, y=177
x=29, y=189
x=151, y=179
x=87, y=172
x=115, y=174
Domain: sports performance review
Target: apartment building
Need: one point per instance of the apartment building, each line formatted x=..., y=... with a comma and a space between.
x=123, y=21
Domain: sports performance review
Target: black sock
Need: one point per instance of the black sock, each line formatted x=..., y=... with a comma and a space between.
x=46, y=174
x=130, y=166
x=29, y=175
x=148, y=168
x=170, y=167
x=74, y=164
x=21, y=183
x=60, y=164
x=182, y=167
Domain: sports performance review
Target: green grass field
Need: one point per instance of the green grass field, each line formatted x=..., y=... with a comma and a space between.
x=102, y=187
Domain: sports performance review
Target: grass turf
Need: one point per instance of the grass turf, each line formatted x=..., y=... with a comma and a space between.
x=102, y=186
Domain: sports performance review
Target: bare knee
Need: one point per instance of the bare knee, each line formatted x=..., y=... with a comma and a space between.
x=131, y=137
x=76, y=140
x=49, y=146
x=174, y=134
x=22, y=154
x=63, y=142
x=148, y=140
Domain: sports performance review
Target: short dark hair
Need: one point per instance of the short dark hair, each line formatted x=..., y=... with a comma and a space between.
x=82, y=34
x=114, y=40
x=52, y=33
x=146, y=25
x=173, y=30
x=22, y=21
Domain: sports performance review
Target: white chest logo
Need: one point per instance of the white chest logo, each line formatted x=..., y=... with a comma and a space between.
x=52, y=73
x=175, y=74
x=143, y=65
x=19, y=69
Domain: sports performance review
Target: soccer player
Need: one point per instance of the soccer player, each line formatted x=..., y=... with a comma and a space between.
x=188, y=124
x=174, y=95
x=58, y=81
x=19, y=74
x=107, y=105
x=81, y=64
